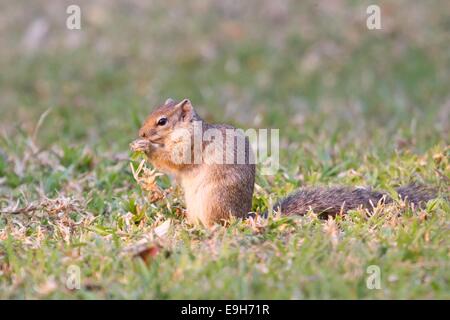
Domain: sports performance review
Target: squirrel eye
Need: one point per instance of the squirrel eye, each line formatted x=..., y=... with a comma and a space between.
x=162, y=121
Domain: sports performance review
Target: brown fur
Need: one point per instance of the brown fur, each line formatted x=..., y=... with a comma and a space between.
x=334, y=200
x=215, y=192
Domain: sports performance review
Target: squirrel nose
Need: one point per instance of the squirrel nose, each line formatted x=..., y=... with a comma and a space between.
x=143, y=134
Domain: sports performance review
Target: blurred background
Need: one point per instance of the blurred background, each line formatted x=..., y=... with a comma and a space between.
x=310, y=68
x=354, y=107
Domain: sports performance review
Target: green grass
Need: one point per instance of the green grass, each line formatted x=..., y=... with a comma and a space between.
x=354, y=107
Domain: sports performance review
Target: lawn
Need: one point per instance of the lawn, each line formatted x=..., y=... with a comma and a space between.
x=354, y=107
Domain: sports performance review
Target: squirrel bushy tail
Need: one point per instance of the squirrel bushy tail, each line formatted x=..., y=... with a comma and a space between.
x=334, y=200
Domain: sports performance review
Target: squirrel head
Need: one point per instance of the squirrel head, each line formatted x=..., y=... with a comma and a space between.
x=167, y=118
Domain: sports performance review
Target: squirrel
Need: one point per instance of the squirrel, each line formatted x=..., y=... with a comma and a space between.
x=214, y=191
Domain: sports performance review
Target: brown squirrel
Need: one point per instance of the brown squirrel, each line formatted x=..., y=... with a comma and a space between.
x=215, y=191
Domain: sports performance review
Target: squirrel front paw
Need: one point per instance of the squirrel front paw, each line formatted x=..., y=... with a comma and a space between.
x=140, y=145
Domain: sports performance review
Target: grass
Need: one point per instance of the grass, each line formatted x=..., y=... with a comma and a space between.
x=355, y=107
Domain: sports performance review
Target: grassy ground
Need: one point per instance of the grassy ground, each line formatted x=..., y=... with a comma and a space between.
x=355, y=107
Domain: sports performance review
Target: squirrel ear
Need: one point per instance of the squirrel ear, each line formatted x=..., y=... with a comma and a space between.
x=169, y=102
x=186, y=105
x=186, y=108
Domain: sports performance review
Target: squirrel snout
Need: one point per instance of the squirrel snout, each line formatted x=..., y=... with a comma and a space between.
x=143, y=133
x=150, y=135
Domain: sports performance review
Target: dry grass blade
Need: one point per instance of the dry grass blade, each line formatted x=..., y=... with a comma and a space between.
x=50, y=206
x=16, y=210
x=39, y=124
x=146, y=178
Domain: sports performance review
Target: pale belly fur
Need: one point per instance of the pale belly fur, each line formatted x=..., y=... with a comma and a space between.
x=196, y=193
